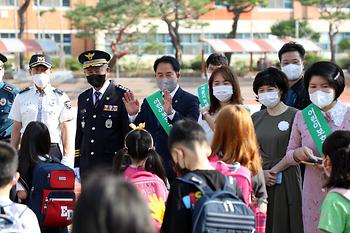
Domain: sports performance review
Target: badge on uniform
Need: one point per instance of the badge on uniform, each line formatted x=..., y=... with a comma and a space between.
x=2, y=101
x=108, y=123
x=110, y=108
x=67, y=104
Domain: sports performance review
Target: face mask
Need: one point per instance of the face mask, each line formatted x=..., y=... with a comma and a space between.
x=292, y=71
x=223, y=93
x=322, y=99
x=165, y=84
x=269, y=99
x=41, y=80
x=96, y=80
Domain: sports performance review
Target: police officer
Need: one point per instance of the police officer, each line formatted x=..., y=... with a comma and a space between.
x=44, y=103
x=102, y=120
x=7, y=96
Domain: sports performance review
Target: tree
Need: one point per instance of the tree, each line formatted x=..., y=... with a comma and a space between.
x=334, y=11
x=344, y=44
x=176, y=13
x=113, y=17
x=287, y=28
x=21, y=11
x=238, y=7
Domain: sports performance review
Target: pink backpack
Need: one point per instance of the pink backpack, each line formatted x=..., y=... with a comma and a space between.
x=148, y=184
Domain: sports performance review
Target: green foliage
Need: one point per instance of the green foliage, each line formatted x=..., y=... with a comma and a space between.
x=240, y=68
x=344, y=44
x=72, y=64
x=55, y=62
x=286, y=28
x=311, y=58
x=332, y=10
x=344, y=62
x=196, y=63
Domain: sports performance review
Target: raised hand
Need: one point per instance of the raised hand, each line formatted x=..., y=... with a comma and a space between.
x=132, y=105
x=167, y=102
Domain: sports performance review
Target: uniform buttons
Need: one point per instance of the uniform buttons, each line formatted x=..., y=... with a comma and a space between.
x=92, y=141
x=94, y=116
x=93, y=128
x=92, y=153
x=2, y=110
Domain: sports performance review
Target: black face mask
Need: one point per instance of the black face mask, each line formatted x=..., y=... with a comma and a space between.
x=96, y=80
x=179, y=170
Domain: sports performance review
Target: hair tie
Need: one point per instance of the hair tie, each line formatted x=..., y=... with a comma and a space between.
x=140, y=126
x=337, y=76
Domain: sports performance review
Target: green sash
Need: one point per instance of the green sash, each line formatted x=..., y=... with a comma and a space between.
x=155, y=102
x=317, y=125
x=203, y=95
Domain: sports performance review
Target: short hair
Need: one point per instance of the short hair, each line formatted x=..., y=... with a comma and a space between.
x=272, y=77
x=228, y=75
x=8, y=163
x=108, y=204
x=187, y=133
x=167, y=59
x=337, y=147
x=330, y=72
x=291, y=47
x=216, y=59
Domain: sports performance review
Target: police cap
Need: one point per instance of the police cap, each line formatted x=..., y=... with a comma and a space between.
x=93, y=58
x=40, y=59
x=3, y=59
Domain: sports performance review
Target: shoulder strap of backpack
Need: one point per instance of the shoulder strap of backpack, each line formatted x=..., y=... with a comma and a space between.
x=194, y=179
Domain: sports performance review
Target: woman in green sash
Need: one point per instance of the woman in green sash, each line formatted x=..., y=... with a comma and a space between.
x=273, y=127
x=325, y=82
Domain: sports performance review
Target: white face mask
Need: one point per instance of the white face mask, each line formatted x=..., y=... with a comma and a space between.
x=322, y=99
x=269, y=99
x=41, y=80
x=223, y=93
x=292, y=71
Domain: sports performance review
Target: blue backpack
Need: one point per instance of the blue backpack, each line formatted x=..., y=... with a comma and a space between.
x=219, y=210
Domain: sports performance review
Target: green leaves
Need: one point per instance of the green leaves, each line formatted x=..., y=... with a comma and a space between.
x=286, y=28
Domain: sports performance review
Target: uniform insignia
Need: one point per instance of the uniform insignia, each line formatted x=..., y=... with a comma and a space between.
x=58, y=91
x=3, y=102
x=25, y=89
x=8, y=88
x=110, y=108
x=123, y=88
x=68, y=104
x=89, y=56
x=108, y=123
x=107, y=98
x=41, y=59
x=83, y=110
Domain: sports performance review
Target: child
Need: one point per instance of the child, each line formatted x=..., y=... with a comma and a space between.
x=24, y=216
x=335, y=209
x=190, y=151
x=142, y=166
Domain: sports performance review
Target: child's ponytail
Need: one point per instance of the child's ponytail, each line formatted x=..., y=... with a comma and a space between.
x=154, y=164
x=121, y=161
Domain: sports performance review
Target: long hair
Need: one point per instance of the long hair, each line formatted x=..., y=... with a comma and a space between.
x=35, y=141
x=228, y=75
x=139, y=147
x=234, y=138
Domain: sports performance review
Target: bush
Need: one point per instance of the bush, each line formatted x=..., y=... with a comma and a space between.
x=72, y=64
x=311, y=58
x=344, y=62
x=241, y=68
x=196, y=63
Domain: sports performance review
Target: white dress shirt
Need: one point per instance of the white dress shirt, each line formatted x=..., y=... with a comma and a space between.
x=102, y=90
x=56, y=109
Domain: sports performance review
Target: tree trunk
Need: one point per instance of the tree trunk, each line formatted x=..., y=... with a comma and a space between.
x=21, y=11
x=175, y=40
x=331, y=33
x=233, y=32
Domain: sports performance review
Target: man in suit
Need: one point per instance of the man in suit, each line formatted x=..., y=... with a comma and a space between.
x=177, y=104
x=102, y=121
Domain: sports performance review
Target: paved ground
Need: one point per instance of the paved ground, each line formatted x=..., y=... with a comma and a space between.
x=145, y=86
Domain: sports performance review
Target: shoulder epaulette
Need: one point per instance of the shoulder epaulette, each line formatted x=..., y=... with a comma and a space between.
x=123, y=88
x=58, y=91
x=8, y=88
x=25, y=89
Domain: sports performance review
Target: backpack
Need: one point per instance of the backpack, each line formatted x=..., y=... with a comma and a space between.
x=52, y=195
x=219, y=210
x=149, y=185
x=10, y=223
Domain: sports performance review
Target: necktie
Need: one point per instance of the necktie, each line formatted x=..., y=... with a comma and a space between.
x=97, y=98
x=40, y=107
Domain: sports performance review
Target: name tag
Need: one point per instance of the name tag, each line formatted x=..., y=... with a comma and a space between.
x=110, y=108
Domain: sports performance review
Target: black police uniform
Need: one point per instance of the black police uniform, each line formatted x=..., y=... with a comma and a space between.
x=7, y=96
x=101, y=129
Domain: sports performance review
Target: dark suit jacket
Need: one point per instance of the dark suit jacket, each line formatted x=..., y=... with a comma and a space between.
x=185, y=105
x=101, y=130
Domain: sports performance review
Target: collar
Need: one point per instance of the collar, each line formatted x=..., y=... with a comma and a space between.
x=47, y=89
x=337, y=113
x=103, y=88
x=344, y=192
x=5, y=201
x=172, y=94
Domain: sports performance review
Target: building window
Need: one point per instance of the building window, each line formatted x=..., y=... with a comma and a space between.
x=7, y=35
x=52, y=3
x=288, y=4
x=7, y=2
x=67, y=41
